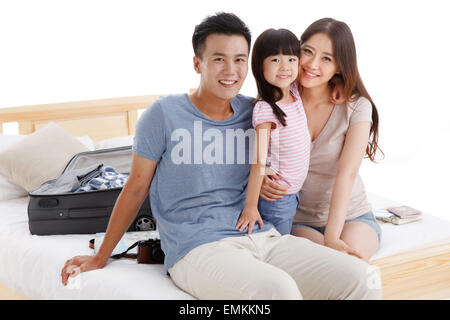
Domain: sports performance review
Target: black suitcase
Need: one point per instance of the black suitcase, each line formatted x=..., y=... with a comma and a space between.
x=84, y=212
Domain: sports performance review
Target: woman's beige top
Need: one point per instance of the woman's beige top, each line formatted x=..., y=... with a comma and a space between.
x=315, y=195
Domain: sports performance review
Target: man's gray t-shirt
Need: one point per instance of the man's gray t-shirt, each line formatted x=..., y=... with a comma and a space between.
x=198, y=190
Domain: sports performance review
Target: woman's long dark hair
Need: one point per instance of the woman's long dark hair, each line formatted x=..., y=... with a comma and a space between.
x=345, y=55
x=270, y=43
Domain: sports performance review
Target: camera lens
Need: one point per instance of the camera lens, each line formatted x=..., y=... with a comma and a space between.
x=157, y=254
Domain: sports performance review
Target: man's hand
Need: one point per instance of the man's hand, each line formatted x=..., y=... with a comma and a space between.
x=80, y=264
x=248, y=217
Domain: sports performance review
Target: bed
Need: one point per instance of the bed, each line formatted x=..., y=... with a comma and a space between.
x=413, y=259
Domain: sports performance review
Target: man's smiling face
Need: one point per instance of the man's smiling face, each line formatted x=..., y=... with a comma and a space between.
x=223, y=65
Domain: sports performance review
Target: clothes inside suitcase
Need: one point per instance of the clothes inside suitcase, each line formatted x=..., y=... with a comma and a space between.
x=55, y=208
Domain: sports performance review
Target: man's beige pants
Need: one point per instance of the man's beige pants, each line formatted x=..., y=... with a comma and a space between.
x=267, y=265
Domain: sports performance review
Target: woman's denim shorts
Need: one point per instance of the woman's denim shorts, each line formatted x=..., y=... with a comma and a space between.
x=367, y=218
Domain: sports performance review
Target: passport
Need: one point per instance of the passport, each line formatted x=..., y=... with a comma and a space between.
x=404, y=211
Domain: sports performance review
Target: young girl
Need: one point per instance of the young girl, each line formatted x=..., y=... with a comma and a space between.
x=282, y=137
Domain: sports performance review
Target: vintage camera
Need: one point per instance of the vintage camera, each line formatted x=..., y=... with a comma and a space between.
x=150, y=252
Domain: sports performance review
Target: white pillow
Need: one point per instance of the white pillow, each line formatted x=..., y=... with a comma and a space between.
x=87, y=141
x=39, y=157
x=9, y=190
x=114, y=142
x=7, y=140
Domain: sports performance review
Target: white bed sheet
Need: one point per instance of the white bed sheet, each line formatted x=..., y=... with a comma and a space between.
x=427, y=232
x=32, y=264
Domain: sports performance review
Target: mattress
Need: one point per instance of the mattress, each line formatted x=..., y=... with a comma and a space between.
x=32, y=264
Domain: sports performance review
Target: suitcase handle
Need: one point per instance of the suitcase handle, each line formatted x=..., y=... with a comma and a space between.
x=48, y=203
x=89, y=212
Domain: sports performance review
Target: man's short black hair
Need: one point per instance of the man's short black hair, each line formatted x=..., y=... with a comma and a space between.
x=221, y=23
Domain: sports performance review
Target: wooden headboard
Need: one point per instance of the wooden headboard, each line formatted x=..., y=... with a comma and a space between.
x=100, y=119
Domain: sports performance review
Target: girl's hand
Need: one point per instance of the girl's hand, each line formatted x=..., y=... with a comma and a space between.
x=270, y=190
x=340, y=245
x=248, y=217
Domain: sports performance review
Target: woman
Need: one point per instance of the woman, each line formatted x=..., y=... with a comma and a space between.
x=333, y=209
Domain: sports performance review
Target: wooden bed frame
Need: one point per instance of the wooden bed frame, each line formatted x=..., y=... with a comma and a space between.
x=419, y=274
x=100, y=119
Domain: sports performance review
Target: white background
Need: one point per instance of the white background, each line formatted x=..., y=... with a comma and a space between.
x=58, y=51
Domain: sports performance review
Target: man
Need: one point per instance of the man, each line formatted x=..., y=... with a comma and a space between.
x=193, y=150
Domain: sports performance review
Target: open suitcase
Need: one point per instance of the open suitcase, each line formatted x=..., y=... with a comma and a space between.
x=84, y=212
